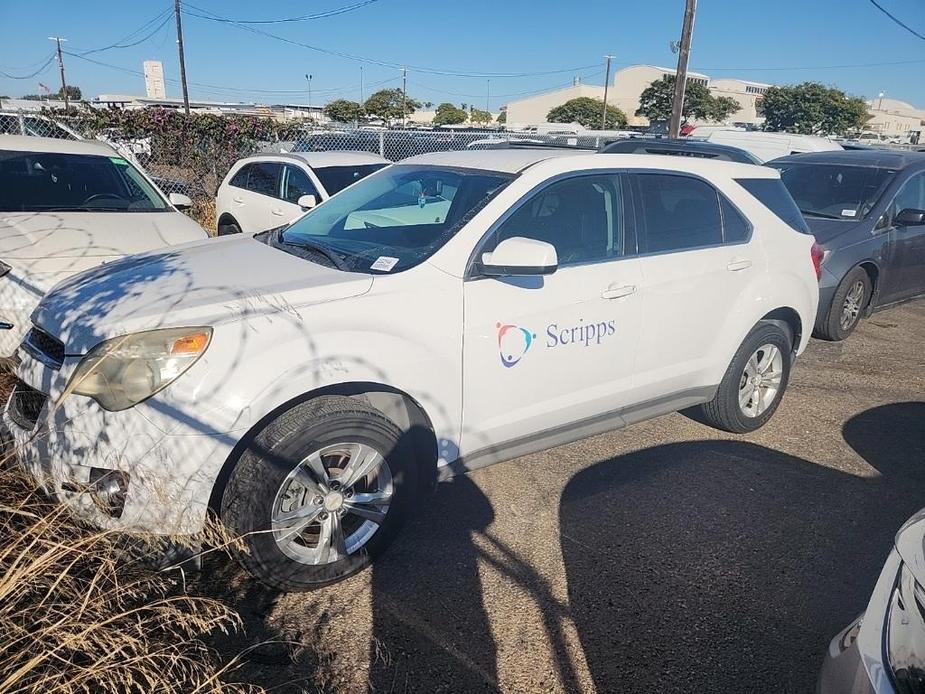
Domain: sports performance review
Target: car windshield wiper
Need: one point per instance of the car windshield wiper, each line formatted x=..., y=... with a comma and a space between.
x=336, y=260
x=823, y=215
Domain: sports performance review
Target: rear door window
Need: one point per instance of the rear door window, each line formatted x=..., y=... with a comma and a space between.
x=263, y=178
x=678, y=213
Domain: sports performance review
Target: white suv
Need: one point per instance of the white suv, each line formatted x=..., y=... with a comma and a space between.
x=268, y=190
x=448, y=312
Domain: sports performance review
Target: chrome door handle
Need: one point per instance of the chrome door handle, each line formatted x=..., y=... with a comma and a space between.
x=618, y=292
x=238, y=200
x=737, y=265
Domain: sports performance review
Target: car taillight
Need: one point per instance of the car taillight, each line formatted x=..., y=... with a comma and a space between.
x=817, y=255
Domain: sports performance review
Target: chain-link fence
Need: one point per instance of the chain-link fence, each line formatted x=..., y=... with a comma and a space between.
x=192, y=154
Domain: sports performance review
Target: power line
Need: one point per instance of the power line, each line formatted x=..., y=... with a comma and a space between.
x=36, y=73
x=897, y=20
x=159, y=19
x=303, y=18
x=211, y=16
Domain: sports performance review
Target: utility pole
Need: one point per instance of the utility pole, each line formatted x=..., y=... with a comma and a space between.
x=606, y=85
x=58, y=40
x=488, y=96
x=680, y=79
x=361, y=85
x=176, y=11
x=404, y=96
x=309, y=78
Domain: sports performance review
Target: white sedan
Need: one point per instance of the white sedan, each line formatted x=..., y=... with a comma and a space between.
x=67, y=206
x=268, y=190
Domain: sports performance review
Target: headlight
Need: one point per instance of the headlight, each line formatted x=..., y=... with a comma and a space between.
x=905, y=638
x=125, y=370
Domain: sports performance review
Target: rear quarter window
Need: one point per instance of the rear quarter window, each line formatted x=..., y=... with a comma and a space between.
x=773, y=194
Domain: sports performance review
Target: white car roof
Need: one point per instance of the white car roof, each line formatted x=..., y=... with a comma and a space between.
x=553, y=161
x=504, y=160
x=319, y=160
x=27, y=143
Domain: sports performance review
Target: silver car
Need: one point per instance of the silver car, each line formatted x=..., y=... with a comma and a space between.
x=883, y=650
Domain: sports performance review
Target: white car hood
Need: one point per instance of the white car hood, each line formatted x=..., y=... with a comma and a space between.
x=198, y=284
x=45, y=247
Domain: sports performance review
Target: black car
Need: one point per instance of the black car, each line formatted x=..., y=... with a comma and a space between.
x=680, y=147
x=866, y=209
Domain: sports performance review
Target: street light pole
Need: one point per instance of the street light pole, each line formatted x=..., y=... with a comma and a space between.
x=606, y=85
x=404, y=96
x=680, y=80
x=309, y=78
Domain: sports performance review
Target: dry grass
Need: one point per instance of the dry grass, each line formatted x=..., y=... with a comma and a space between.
x=203, y=211
x=82, y=611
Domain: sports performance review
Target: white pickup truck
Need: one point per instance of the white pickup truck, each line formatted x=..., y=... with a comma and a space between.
x=448, y=312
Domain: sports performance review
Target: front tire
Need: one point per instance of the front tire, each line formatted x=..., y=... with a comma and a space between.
x=848, y=304
x=754, y=383
x=319, y=493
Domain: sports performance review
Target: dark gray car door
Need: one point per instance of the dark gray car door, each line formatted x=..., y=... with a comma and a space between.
x=905, y=275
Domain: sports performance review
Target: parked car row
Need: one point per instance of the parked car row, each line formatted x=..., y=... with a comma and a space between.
x=307, y=380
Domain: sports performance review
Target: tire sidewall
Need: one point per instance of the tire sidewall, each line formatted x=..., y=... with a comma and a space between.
x=260, y=472
x=833, y=321
x=766, y=333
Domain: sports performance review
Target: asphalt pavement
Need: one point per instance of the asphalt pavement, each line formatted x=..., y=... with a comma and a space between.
x=664, y=557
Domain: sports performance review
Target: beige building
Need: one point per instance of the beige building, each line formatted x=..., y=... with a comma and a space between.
x=896, y=120
x=154, y=80
x=628, y=85
x=748, y=94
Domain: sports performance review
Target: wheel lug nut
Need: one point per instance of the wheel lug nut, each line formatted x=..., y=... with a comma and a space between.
x=323, y=516
x=348, y=493
x=318, y=500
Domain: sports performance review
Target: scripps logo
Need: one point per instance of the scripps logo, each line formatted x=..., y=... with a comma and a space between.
x=513, y=343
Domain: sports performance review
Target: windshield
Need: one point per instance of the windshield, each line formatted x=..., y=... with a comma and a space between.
x=50, y=181
x=336, y=178
x=395, y=218
x=832, y=191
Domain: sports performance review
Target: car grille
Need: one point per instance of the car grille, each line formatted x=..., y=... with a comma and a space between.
x=47, y=349
x=26, y=405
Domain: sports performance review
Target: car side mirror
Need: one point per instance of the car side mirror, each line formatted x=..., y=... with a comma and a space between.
x=910, y=217
x=307, y=202
x=180, y=201
x=518, y=256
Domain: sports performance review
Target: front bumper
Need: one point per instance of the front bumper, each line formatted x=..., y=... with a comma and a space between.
x=855, y=662
x=82, y=454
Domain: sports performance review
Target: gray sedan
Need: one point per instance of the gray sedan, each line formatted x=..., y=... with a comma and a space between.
x=866, y=209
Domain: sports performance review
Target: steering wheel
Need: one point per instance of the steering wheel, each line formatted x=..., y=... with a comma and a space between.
x=102, y=196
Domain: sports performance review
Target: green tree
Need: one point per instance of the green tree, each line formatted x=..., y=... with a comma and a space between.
x=587, y=111
x=480, y=116
x=387, y=104
x=448, y=114
x=812, y=108
x=73, y=93
x=656, y=100
x=344, y=111
x=502, y=117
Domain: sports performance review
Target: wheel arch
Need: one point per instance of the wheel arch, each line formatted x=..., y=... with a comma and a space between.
x=789, y=318
x=398, y=406
x=873, y=272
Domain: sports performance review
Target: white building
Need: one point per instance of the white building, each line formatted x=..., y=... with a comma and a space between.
x=155, y=87
x=628, y=85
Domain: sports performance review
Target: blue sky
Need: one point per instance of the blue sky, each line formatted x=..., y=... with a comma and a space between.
x=783, y=42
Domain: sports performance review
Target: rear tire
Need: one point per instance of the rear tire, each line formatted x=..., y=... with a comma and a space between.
x=754, y=383
x=301, y=480
x=848, y=304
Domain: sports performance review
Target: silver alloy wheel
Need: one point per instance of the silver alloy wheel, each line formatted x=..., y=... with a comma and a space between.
x=851, y=309
x=332, y=503
x=761, y=379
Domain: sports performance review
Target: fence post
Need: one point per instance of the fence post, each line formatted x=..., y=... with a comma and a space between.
x=382, y=143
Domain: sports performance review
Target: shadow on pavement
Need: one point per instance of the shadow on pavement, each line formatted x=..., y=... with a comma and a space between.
x=727, y=566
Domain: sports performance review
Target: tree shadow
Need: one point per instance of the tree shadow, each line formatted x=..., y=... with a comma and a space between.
x=728, y=566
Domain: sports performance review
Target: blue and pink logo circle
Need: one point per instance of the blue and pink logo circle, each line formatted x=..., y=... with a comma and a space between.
x=513, y=343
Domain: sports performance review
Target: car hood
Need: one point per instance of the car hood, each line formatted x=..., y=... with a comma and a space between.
x=203, y=283
x=910, y=543
x=827, y=229
x=46, y=247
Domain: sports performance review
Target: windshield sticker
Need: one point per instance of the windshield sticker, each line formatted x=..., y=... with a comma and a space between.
x=118, y=160
x=848, y=213
x=384, y=263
